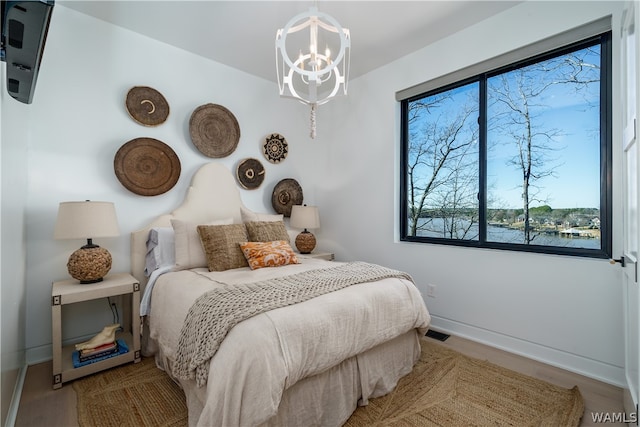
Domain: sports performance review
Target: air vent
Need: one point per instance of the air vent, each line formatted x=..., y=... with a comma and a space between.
x=13, y=85
x=440, y=336
x=16, y=33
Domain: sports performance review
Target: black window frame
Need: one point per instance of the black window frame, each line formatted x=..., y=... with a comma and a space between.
x=606, y=150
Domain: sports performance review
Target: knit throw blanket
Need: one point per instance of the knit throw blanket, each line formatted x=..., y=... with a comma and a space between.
x=214, y=313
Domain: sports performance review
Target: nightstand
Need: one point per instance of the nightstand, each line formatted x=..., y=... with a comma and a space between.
x=71, y=291
x=320, y=255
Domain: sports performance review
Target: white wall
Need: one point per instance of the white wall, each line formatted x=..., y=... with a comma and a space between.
x=563, y=310
x=13, y=184
x=78, y=122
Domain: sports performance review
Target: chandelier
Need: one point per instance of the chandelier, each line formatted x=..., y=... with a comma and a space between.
x=307, y=69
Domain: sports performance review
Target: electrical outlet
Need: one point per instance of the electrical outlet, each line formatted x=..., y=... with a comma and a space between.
x=431, y=291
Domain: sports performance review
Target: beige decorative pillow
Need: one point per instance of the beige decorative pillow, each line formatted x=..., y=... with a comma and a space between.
x=221, y=245
x=268, y=254
x=267, y=231
x=250, y=216
x=189, y=252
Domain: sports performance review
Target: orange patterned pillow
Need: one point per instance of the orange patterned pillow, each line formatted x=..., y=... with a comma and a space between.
x=268, y=254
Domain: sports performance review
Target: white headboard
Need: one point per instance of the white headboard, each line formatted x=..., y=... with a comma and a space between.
x=213, y=194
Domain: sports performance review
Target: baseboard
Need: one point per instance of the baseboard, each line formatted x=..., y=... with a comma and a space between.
x=44, y=353
x=630, y=407
x=35, y=355
x=580, y=365
x=12, y=414
x=597, y=370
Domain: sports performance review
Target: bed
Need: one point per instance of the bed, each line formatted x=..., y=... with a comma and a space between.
x=307, y=359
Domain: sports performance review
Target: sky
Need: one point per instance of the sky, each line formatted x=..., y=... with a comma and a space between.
x=576, y=180
x=574, y=158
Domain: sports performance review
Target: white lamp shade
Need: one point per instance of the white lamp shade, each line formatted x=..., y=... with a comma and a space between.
x=304, y=217
x=86, y=220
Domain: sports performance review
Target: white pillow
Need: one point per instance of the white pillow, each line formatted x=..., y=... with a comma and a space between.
x=160, y=249
x=188, y=248
x=250, y=216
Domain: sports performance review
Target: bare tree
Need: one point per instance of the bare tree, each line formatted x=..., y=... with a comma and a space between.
x=438, y=146
x=517, y=99
x=456, y=200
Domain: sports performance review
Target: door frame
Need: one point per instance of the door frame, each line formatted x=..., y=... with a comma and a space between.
x=630, y=42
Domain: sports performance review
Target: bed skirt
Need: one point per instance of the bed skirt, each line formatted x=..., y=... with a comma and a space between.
x=313, y=401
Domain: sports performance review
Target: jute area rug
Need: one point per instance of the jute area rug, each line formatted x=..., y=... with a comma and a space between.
x=445, y=388
x=135, y=395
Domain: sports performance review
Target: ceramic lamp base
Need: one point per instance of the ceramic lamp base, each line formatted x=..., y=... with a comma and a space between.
x=89, y=265
x=305, y=242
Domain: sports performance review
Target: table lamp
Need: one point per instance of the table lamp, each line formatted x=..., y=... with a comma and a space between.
x=87, y=220
x=303, y=216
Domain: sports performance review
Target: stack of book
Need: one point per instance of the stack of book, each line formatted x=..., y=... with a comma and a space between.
x=105, y=351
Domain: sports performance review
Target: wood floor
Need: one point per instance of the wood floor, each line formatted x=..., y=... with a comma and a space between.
x=40, y=405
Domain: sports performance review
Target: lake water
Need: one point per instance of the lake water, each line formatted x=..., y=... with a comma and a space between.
x=508, y=235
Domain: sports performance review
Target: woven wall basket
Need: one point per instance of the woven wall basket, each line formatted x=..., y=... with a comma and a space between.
x=250, y=173
x=214, y=130
x=285, y=194
x=146, y=166
x=147, y=106
x=275, y=148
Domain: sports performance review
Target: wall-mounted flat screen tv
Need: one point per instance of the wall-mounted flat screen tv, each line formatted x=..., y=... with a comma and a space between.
x=24, y=33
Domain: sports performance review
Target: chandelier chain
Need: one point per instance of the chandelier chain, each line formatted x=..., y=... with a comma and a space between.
x=313, y=122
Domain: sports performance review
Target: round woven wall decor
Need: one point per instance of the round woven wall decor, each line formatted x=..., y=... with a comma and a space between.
x=147, y=167
x=250, y=174
x=275, y=148
x=147, y=106
x=214, y=130
x=285, y=194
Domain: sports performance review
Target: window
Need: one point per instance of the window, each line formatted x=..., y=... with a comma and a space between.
x=517, y=157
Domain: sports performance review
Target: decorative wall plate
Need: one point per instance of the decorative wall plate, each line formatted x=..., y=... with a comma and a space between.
x=275, y=148
x=147, y=106
x=286, y=193
x=214, y=130
x=146, y=166
x=250, y=173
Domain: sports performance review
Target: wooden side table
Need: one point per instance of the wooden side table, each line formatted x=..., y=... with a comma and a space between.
x=320, y=255
x=71, y=291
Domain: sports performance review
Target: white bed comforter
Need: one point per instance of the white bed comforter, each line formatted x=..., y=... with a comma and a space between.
x=263, y=356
